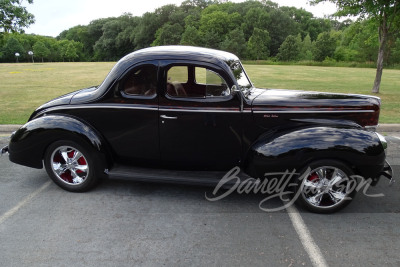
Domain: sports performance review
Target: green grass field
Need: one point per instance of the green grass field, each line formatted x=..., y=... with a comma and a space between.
x=23, y=87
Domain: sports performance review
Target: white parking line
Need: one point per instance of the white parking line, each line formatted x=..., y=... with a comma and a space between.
x=313, y=251
x=23, y=202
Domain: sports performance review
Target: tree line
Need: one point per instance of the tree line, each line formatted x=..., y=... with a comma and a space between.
x=255, y=30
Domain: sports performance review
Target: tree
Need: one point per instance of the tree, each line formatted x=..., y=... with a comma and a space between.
x=359, y=42
x=11, y=47
x=168, y=34
x=386, y=14
x=218, y=24
x=306, y=49
x=324, y=46
x=290, y=49
x=69, y=49
x=280, y=26
x=190, y=36
x=14, y=17
x=257, y=46
x=234, y=42
x=71, y=52
x=40, y=50
x=147, y=29
x=255, y=18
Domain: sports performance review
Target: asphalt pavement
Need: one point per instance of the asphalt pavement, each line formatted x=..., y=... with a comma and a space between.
x=122, y=223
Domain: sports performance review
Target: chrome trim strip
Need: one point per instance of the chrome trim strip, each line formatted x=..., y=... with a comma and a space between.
x=168, y=117
x=313, y=111
x=200, y=110
x=122, y=106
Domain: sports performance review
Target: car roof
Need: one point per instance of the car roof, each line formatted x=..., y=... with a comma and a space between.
x=174, y=52
x=180, y=51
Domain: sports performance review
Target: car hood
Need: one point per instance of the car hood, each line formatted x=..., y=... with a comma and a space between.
x=292, y=100
x=61, y=100
x=70, y=98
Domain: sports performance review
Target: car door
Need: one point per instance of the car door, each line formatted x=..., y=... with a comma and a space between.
x=200, y=120
x=128, y=116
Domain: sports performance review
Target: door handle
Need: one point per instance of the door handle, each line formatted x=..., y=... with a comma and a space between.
x=168, y=117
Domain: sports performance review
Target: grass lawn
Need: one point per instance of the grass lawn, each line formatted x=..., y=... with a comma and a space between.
x=23, y=87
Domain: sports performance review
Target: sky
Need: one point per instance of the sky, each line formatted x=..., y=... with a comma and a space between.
x=53, y=17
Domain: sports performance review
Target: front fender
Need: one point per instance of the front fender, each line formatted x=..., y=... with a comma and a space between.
x=288, y=150
x=28, y=144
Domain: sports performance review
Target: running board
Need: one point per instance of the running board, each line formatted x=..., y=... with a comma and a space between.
x=206, y=178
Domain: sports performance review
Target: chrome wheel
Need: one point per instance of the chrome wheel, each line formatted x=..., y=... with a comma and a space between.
x=69, y=165
x=326, y=187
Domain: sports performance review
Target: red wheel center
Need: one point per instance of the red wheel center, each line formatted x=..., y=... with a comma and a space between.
x=313, y=177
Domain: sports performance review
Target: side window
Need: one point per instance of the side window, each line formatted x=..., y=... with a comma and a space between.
x=196, y=82
x=180, y=83
x=215, y=84
x=178, y=74
x=141, y=81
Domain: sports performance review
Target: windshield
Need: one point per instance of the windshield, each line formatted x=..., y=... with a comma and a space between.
x=241, y=76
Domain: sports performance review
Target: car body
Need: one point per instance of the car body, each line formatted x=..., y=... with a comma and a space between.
x=188, y=115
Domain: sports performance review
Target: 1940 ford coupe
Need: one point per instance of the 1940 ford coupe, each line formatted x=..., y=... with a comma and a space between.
x=189, y=115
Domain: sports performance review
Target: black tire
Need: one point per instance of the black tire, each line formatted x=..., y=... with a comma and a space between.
x=73, y=167
x=325, y=186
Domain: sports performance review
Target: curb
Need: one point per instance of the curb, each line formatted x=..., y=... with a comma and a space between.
x=388, y=128
x=9, y=128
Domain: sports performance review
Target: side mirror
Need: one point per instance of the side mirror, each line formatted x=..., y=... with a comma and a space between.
x=235, y=89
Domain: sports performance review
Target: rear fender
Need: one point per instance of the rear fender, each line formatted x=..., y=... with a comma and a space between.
x=278, y=151
x=29, y=143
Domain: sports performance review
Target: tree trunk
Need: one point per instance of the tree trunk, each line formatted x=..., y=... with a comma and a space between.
x=379, y=69
x=383, y=33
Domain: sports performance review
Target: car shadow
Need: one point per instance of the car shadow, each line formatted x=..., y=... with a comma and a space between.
x=202, y=199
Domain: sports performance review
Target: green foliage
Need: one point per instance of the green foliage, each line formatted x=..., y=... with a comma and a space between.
x=324, y=46
x=255, y=18
x=257, y=46
x=40, y=50
x=168, y=34
x=11, y=47
x=235, y=42
x=290, y=49
x=14, y=17
x=110, y=46
x=306, y=49
x=190, y=36
x=217, y=24
x=280, y=26
x=69, y=50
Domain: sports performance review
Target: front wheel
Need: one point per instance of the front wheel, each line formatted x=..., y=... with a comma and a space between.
x=71, y=166
x=326, y=186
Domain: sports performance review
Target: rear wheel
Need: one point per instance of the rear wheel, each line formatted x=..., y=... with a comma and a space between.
x=71, y=166
x=326, y=186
